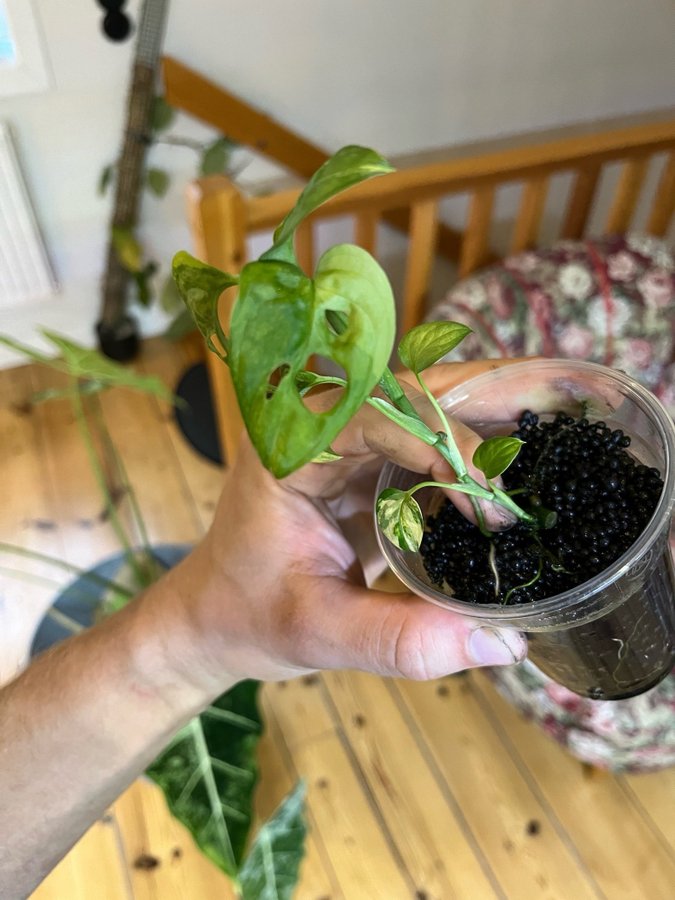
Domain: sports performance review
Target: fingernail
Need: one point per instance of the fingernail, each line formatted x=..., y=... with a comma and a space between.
x=496, y=647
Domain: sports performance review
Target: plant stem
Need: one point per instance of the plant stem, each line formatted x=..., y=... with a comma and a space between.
x=484, y=492
x=115, y=522
x=391, y=387
x=68, y=567
x=121, y=471
x=62, y=619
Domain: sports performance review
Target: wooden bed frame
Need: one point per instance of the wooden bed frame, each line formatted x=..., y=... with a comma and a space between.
x=222, y=217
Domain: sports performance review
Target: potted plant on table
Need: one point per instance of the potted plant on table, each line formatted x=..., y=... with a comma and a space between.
x=587, y=478
x=208, y=772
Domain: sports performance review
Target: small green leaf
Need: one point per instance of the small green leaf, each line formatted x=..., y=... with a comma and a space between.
x=425, y=344
x=347, y=167
x=158, y=181
x=400, y=518
x=414, y=426
x=105, y=178
x=200, y=286
x=161, y=115
x=279, y=321
x=496, y=454
x=305, y=381
x=208, y=774
x=216, y=157
x=270, y=870
x=128, y=249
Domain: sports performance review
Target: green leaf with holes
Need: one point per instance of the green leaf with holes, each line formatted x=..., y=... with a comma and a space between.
x=349, y=166
x=200, y=286
x=208, y=774
x=425, y=344
x=270, y=870
x=400, y=518
x=279, y=321
x=494, y=455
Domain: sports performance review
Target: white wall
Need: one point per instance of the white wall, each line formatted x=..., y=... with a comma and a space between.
x=398, y=75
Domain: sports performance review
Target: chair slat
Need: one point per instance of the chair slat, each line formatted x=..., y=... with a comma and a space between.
x=626, y=195
x=531, y=209
x=304, y=246
x=421, y=250
x=218, y=223
x=580, y=203
x=365, y=230
x=475, y=244
x=663, y=206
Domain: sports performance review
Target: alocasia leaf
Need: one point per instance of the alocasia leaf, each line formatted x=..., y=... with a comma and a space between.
x=200, y=286
x=400, y=518
x=425, y=344
x=279, y=321
x=208, y=774
x=347, y=167
x=494, y=455
x=270, y=870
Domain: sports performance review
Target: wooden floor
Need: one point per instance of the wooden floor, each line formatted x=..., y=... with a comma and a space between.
x=415, y=790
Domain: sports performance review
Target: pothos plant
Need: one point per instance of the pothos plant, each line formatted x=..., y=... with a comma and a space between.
x=208, y=772
x=345, y=312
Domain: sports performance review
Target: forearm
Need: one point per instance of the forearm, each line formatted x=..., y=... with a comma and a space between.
x=82, y=722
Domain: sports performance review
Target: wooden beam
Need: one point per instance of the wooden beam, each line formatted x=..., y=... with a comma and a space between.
x=188, y=90
x=196, y=95
x=216, y=213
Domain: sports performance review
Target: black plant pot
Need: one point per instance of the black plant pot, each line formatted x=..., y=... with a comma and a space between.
x=613, y=636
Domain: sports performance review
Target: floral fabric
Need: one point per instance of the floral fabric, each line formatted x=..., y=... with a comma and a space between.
x=609, y=301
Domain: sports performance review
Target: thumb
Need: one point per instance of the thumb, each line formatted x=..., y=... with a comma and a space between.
x=405, y=636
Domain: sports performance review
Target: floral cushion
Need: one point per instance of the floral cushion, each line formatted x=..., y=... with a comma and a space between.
x=610, y=301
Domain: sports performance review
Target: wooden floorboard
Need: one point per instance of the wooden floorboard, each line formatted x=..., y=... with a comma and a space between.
x=415, y=791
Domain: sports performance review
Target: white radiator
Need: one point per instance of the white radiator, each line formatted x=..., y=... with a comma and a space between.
x=25, y=272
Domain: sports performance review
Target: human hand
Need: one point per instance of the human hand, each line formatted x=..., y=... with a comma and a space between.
x=276, y=589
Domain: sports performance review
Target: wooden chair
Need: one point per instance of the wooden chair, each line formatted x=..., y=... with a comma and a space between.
x=222, y=218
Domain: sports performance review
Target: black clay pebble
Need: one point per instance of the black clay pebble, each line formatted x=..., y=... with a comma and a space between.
x=584, y=472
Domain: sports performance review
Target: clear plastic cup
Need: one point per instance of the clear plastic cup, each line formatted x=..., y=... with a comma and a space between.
x=613, y=636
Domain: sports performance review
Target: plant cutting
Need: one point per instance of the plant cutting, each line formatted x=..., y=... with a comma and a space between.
x=208, y=772
x=344, y=311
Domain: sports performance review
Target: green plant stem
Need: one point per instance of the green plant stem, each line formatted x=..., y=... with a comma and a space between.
x=504, y=500
x=62, y=619
x=115, y=522
x=68, y=567
x=484, y=492
x=111, y=449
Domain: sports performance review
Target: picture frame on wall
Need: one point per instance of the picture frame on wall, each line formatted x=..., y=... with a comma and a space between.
x=24, y=67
